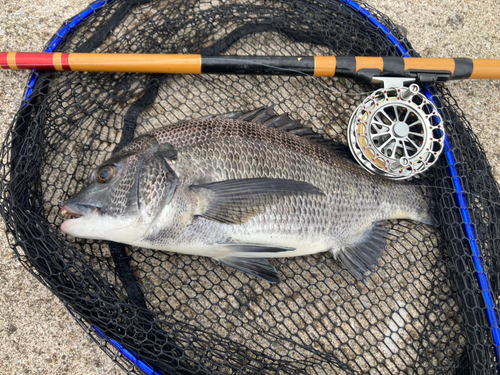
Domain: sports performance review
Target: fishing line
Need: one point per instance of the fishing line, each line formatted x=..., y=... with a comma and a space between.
x=300, y=73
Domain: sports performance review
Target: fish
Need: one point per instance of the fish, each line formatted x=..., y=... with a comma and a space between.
x=242, y=188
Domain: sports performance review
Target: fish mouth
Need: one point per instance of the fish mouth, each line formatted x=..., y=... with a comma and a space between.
x=74, y=211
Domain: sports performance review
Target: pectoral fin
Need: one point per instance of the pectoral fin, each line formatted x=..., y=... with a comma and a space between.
x=236, y=201
x=245, y=248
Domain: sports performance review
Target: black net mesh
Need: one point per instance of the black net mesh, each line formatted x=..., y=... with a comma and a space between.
x=420, y=312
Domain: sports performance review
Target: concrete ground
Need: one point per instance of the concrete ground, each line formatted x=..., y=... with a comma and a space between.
x=37, y=335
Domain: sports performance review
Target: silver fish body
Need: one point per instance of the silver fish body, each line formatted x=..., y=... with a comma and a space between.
x=241, y=192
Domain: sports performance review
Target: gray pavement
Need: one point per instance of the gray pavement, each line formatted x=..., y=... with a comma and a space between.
x=37, y=335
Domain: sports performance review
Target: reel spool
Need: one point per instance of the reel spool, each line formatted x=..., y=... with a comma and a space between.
x=396, y=132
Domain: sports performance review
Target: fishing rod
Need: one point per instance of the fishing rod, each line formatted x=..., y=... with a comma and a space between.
x=422, y=70
x=396, y=131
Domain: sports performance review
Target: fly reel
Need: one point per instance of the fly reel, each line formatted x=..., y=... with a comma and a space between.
x=396, y=132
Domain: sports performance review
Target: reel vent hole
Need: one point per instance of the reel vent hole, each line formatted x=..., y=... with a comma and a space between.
x=437, y=134
x=417, y=100
x=436, y=147
x=435, y=120
x=427, y=109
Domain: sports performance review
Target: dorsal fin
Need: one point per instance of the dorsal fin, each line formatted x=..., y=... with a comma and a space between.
x=268, y=117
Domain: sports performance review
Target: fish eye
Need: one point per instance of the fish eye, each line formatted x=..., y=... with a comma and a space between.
x=105, y=174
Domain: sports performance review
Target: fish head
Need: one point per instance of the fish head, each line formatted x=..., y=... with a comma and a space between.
x=124, y=194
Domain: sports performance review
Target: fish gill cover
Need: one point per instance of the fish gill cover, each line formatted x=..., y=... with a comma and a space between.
x=421, y=309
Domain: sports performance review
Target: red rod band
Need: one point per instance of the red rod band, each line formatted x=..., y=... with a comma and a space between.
x=65, y=61
x=3, y=60
x=42, y=61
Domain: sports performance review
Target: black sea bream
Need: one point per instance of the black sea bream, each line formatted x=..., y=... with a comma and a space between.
x=241, y=188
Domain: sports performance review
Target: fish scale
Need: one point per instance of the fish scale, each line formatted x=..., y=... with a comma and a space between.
x=244, y=191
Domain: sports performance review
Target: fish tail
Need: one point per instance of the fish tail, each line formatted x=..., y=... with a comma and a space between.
x=422, y=205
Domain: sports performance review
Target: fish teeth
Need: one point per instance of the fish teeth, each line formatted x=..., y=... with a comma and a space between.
x=68, y=214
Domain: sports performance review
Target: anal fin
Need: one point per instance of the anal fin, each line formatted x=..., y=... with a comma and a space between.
x=260, y=267
x=361, y=256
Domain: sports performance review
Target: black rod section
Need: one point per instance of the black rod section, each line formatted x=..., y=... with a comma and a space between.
x=269, y=65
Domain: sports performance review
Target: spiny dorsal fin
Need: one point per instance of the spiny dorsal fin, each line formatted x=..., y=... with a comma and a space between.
x=268, y=117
